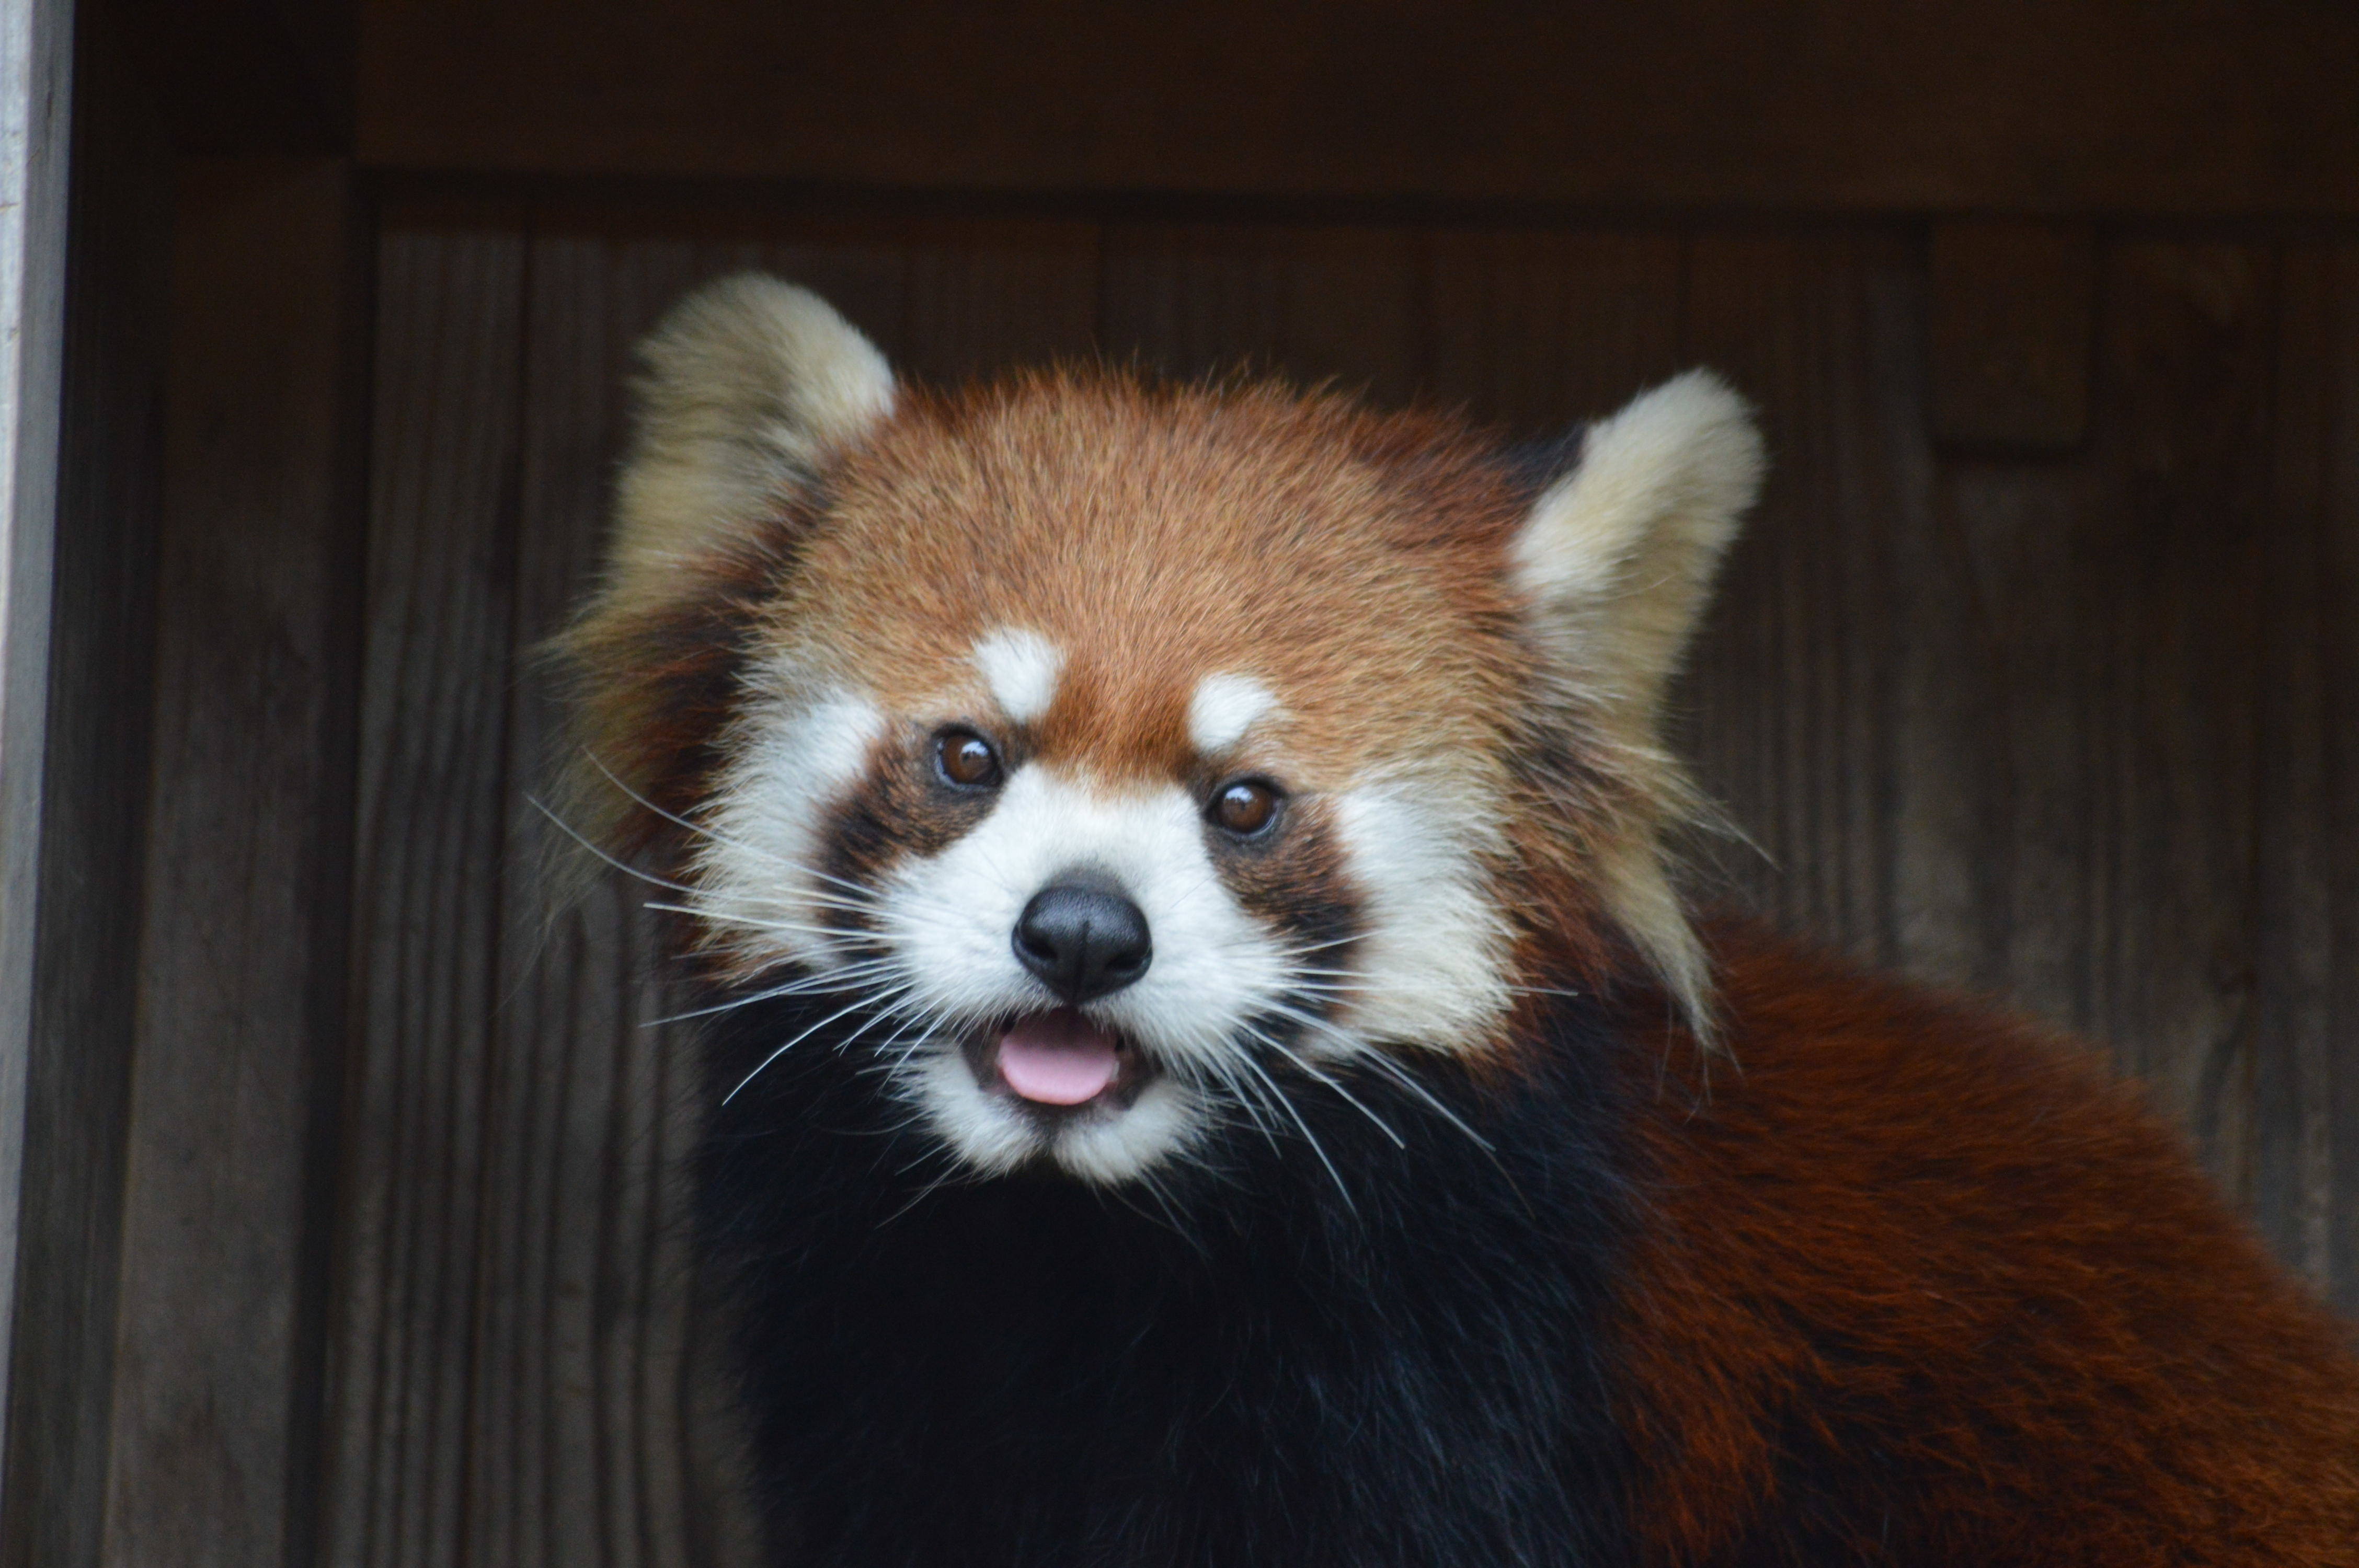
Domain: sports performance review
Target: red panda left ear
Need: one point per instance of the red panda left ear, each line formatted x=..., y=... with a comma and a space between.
x=1615, y=563
x=1617, y=555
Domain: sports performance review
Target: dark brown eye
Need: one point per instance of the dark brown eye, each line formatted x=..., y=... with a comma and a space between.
x=966, y=759
x=1247, y=806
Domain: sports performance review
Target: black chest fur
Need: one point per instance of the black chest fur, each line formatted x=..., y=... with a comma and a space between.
x=1357, y=1354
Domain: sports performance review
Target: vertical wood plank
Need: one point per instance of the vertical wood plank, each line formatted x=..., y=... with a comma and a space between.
x=2172, y=670
x=1312, y=303
x=36, y=96
x=2013, y=312
x=580, y=1446
x=2305, y=1131
x=2001, y=850
x=1535, y=331
x=1794, y=679
x=979, y=298
x=2340, y=1177
x=242, y=962
x=93, y=789
x=428, y=842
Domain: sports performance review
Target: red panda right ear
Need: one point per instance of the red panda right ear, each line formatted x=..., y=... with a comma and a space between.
x=748, y=385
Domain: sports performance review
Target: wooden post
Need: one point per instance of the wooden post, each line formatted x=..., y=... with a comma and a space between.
x=34, y=57
x=229, y=1168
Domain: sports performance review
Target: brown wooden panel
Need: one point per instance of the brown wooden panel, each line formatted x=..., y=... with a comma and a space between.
x=2000, y=730
x=428, y=843
x=979, y=298
x=1954, y=105
x=2306, y=1178
x=1795, y=679
x=1992, y=719
x=2012, y=581
x=251, y=77
x=242, y=963
x=35, y=102
x=2101, y=684
x=1310, y=303
x=1536, y=331
x=2170, y=674
x=578, y=1403
x=2013, y=314
x=92, y=769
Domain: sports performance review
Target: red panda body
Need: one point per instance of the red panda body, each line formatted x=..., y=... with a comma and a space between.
x=1208, y=1066
x=1925, y=1286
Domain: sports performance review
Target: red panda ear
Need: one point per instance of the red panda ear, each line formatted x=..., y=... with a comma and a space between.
x=1615, y=563
x=1617, y=554
x=748, y=385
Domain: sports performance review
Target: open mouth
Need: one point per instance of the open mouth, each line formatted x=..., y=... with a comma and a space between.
x=1058, y=1061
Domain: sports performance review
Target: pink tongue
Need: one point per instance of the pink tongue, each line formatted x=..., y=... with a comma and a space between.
x=1057, y=1058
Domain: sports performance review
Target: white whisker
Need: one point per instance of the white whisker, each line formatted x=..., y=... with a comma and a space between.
x=854, y=1006
x=1296, y=1116
x=623, y=866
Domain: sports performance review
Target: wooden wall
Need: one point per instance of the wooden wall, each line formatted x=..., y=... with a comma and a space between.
x=84, y=906
x=2068, y=714
x=350, y=1176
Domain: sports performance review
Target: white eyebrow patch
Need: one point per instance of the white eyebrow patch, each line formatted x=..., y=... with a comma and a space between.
x=1021, y=668
x=1223, y=708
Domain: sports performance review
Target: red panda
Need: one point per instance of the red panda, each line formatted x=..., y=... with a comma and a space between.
x=1209, y=1064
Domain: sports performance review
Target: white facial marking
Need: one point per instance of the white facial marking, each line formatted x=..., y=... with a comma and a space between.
x=950, y=919
x=1428, y=970
x=760, y=886
x=1432, y=956
x=1223, y=708
x=1021, y=668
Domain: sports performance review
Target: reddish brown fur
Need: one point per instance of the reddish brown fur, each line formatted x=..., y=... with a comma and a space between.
x=1248, y=530
x=1370, y=545
x=1951, y=1273
x=654, y=689
x=1936, y=1288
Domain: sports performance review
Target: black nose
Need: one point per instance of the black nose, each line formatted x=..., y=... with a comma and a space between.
x=1082, y=941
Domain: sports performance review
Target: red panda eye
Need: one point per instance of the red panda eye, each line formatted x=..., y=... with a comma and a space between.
x=965, y=759
x=1247, y=806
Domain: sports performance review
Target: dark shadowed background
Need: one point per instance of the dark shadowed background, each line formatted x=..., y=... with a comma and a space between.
x=349, y=1201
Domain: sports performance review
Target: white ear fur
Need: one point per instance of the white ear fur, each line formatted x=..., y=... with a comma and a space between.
x=748, y=384
x=1617, y=554
x=1616, y=559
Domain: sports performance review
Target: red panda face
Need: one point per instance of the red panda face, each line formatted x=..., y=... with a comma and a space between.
x=1116, y=742
x=1112, y=758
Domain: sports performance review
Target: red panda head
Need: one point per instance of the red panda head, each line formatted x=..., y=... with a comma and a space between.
x=1105, y=750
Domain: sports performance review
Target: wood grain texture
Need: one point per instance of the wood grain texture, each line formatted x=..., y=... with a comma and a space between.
x=429, y=838
x=578, y=1451
x=251, y=77
x=2004, y=104
x=36, y=46
x=2170, y=671
x=1316, y=305
x=1536, y=331
x=1795, y=678
x=242, y=961
x=93, y=803
x=1995, y=724
x=2306, y=1110
x=2013, y=312
x=2075, y=729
